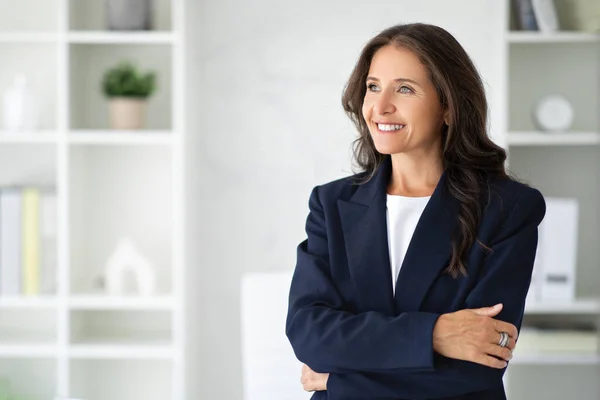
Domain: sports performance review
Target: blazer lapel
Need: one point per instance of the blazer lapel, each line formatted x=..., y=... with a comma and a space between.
x=429, y=250
x=363, y=220
x=364, y=224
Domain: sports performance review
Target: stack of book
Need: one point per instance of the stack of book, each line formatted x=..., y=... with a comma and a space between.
x=28, y=220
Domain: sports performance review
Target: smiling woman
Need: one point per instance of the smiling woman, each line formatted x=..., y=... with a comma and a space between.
x=412, y=280
x=409, y=104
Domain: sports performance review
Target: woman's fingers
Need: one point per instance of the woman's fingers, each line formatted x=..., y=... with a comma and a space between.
x=500, y=352
x=495, y=339
x=313, y=381
x=490, y=361
x=501, y=326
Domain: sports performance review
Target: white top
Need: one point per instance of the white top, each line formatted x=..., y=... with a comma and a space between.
x=403, y=214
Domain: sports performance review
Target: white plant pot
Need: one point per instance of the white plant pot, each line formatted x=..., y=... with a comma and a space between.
x=127, y=113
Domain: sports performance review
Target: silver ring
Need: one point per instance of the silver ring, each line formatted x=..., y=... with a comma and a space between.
x=503, y=339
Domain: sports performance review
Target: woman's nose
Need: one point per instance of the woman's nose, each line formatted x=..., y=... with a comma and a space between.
x=384, y=104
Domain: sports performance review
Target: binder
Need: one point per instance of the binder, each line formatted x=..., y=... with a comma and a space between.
x=557, y=250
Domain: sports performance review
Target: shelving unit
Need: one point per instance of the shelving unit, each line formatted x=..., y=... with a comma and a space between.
x=557, y=37
x=12, y=302
x=579, y=306
x=37, y=137
x=556, y=359
x=120, y=38
x=83, y=342
x=553, y=139
x=121, y=303
x=560, y=164
x=25, y=37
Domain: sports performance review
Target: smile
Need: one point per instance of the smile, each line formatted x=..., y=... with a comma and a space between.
x=387, y=128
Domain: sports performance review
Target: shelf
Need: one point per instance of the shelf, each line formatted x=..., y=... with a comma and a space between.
x=106, y=379
x=580, y=306
x=120, y=303
x=120, y=351
x=556, y=37
x=36, y=137
x=555, y=358
x=102, y=37
x=553, y=139
x=146, y=137
x=40, y=302
x=27, y=350
x=24, y=37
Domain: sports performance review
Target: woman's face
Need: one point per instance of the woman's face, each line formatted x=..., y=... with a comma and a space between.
x=401, y=106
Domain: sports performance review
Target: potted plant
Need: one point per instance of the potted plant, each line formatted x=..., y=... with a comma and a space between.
x=128, y=90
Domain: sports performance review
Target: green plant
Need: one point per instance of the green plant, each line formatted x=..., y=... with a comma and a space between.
x=126, y=80
x=6, y=393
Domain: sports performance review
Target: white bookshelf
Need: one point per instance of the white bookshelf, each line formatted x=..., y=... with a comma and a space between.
x=121, y=303
x=25, y=37
x=533, y=138
x=116, y=351
x=37, y=137
x=560, y=164
x=79, y=341
x=564, y=359
x=33, y=351
x=119, y=137
x=579, y=306
x=22, y=302
x=121, y=38
x=556, y=37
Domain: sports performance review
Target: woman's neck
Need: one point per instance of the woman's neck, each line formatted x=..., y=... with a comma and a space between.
x=414, y=177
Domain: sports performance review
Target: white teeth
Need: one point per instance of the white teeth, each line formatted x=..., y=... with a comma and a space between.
x=386, y=127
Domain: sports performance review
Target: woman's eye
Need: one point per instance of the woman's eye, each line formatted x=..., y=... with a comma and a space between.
x=403, y=89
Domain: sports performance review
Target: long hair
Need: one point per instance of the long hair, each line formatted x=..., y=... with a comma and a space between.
x=470, y=158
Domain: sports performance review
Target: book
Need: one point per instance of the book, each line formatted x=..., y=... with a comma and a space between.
x=48, y=235
x=10, y=241
x=525, y=15
x=31, y=241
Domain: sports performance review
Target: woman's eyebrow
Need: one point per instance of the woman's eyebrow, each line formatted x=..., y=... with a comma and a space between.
x=372, y=78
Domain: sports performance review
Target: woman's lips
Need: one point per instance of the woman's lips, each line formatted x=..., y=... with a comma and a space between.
x=389, y=132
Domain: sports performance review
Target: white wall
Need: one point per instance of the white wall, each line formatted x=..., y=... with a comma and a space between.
x=266, y=78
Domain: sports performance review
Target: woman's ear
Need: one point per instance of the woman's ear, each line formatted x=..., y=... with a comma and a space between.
x=447, y=118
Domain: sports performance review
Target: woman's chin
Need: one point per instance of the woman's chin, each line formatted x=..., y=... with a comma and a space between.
x=383, y=149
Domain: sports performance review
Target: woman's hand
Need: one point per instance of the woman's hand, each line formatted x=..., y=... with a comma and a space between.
x=313, y=381
x=473, y=335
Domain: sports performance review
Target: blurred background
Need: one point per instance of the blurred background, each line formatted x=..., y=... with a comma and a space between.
x=156, y=158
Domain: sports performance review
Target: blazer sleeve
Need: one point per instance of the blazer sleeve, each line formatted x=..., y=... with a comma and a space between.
x=328, y=338
x=505, y=278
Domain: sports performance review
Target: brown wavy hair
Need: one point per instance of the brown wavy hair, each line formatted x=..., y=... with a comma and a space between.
x=470, y=158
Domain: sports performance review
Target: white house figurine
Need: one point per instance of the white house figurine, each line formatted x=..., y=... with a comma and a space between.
x=124, y=260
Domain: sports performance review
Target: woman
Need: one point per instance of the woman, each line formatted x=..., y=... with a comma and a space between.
x=412, y=281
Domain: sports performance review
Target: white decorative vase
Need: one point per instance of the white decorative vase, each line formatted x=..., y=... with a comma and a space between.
x=127, y=113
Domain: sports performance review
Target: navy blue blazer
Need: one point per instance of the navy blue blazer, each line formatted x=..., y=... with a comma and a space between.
x=343, y=318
